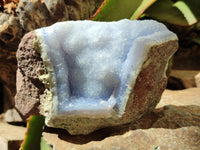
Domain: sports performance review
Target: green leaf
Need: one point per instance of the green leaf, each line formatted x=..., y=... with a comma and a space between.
x=113, y=10
x=142, y=7
x=163, y=10
x=178, y=12
x=187, y=12
x=169, y=67
x=181, y=12
x=44, y=145
x=33, y=135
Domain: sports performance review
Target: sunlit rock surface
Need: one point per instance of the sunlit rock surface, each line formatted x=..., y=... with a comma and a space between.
x=93, y=74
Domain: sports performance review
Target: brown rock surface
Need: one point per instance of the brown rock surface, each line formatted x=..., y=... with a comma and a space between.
x=37, y=13
x=150, y=82
x=11, y=115
x=29, y=87
x=176, y=109
x=183, y=78
x=164, y=139
x=189, y=96
x=171, y=117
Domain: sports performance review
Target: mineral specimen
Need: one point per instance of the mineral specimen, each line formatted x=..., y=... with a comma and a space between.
x=92, y=75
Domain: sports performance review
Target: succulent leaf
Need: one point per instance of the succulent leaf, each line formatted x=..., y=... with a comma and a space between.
x=44, y=145
x=183, y=13
x=33, y=135
x=142, y=7
x=113, y=10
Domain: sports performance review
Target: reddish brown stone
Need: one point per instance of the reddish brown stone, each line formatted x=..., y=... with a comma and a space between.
x=150, y=82
x=176, y=109
x=163, y=139
x=170, y=117
x=29, y=87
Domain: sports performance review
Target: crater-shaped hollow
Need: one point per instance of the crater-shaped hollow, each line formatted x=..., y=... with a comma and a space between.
x=93, y=65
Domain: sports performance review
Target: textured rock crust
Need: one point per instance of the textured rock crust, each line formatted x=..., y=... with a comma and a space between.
x=37, y=13
x=164, y=139
x=170, y=116
x=189, y=96
x=29, y=87
x=176, y=109
x=150, y=82
x=146, y=93
x=12, y=116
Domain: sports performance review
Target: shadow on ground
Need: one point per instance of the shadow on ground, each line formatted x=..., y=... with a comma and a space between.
x=169, y=117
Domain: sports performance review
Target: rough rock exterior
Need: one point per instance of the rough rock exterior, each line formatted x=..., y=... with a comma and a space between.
x=170, y=116
x=37, y=13
x=164, y=139
x=176, y=109
x=12, y=116
x=184, y=97
x=29, y=87
x=144, y=97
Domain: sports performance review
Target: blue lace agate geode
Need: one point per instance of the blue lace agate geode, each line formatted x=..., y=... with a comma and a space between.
x=92, y=69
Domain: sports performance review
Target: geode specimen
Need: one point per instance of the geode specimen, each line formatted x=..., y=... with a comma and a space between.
x=86, y=75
